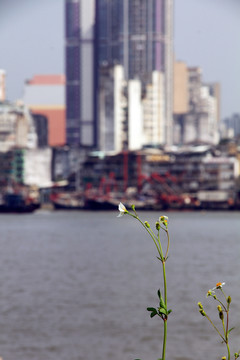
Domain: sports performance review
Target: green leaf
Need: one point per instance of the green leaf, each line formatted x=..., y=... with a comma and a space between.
x=230, y=330
x=159, y=293
x=162, y=303
x=162, y=311
x=169, y=311
x=151, y=309
x=154, y=313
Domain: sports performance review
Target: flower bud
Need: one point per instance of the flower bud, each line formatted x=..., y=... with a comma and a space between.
x=157, y=226
x=202, y=312
x=200, y=305
x=224, y=358
x=229, y=300
x=146, y=223
x=133, y=207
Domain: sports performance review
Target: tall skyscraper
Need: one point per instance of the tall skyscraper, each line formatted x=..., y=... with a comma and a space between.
x=81, y=75
x=136, y=34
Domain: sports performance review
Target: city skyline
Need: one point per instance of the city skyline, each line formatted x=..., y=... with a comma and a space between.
x=194, y=40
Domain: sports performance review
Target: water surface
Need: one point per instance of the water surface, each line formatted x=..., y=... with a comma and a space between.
x=75, y=285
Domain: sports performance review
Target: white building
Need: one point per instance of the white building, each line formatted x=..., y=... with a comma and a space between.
x=153, y=111
x=37, y=167
x=112, y=109
x=135, y=115
x=16, y=127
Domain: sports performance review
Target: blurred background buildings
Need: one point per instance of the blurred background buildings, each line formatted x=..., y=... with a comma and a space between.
x=123, y=92
x=137, y=36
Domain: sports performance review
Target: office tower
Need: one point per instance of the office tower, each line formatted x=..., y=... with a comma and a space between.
x=81, y=77
x=45, y=96
x=138, y=35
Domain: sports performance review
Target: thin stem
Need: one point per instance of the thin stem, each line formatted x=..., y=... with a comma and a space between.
x=229, y=354
x=165, y=321
x=164, y=340
x=149, y=232
x=160, y=252
x=160, y=245
x=215, y=327
x=224, y=330
x=220, y=302
x=167, y=245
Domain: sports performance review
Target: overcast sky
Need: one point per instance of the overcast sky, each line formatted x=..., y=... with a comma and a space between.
x=207, y=34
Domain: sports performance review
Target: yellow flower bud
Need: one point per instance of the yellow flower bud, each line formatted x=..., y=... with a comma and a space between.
x=146, y=223
x=202, y=312
x=200, y=305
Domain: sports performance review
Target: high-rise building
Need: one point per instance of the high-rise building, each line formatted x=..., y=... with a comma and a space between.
x=81, y=125
x=139, y=35
x=136, y=34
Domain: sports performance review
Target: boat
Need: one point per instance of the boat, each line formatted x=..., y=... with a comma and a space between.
x=68, y=201
x=17, y=203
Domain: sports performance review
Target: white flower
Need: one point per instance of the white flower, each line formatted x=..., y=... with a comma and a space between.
x=219, y=285
x=163, y=220
x=122, y=209
x=163, y=217
x=210, y=292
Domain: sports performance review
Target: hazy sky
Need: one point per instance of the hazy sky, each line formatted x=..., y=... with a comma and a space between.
x=207, y=34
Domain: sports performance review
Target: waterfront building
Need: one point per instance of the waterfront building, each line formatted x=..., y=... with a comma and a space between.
x=181, y=92
x=17, y=127
x=230, y=127
x=153, y=111
x=2, y=85
x=112, y=103
x=135, y=113
x=45, y=96
x=196, y=107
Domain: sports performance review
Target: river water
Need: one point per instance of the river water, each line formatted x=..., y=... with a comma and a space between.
x=75, y=285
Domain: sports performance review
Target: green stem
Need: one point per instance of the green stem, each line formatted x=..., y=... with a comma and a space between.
x=164, y=340
x=229, y=355
x=160, y=252
x=167, y=244
x=165, y=321
x=160, y=246
x=215, y=327
x=149, y=232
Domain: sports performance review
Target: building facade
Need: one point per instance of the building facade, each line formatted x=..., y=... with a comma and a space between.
x=81, y=124
x=196, y=107
x=135, y=34
x=45, y=97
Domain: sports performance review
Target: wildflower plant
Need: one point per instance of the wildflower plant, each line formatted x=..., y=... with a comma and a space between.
x=162, y=311
x=161, y=225
x=223, y=308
